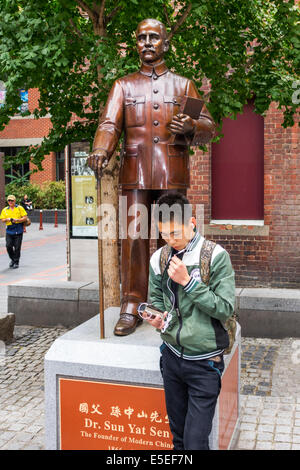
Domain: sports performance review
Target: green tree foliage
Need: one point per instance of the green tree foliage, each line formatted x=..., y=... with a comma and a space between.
x=244, y=48
x=49, y=195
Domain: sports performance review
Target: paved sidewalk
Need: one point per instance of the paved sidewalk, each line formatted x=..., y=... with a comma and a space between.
x=43, y=256
x=270, y=411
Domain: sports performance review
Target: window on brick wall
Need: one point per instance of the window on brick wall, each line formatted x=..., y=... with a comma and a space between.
x=238, y=169
x=60, y=166
x=14, y=170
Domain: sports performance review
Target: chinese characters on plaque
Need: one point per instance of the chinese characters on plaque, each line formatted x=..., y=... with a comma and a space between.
x=98, y=415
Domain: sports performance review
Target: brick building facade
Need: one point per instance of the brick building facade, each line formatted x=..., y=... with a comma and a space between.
x=264, y=251
x=24, y=131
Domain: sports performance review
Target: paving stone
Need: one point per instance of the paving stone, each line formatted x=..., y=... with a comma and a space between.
x=246, y=445
x=263, y=445
x=23, y=437
x=248, y=426
x=282, y=446
x=283, y=429
x=264, y=436
x=282, y=438
x=267, y=428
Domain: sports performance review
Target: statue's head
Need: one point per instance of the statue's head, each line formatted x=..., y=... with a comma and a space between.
x=152, y=41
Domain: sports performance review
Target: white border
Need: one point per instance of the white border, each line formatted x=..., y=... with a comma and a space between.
x=237, y=222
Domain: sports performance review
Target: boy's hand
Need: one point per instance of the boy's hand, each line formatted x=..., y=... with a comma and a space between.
x=157, y=322
x=177, y=271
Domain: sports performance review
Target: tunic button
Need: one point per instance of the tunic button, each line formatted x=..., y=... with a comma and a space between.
x=155, y=140
x=155, y=106
x=155, y=77
x=156, y=123
x=134, y=100
x=155, y=90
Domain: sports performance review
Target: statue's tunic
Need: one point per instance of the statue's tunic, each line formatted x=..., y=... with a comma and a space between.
x=143, y=105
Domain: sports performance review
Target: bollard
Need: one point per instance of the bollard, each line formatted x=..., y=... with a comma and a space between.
x=55, y=218
x=41, y=220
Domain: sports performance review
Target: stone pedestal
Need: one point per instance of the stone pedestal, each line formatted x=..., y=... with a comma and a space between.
x=108, y=394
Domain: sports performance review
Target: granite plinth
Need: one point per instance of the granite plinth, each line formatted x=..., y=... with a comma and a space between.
x=131, y=361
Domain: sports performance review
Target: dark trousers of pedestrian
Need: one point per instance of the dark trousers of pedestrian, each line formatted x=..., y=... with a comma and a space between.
x=13, y=246
x=191, y=391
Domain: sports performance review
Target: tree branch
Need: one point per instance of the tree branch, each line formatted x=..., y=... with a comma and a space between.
x=101, y=14
x=96, y=7
x=75, y=28
x=86, y=8
x=112, y=14
x=167, y=16
x=179, y=23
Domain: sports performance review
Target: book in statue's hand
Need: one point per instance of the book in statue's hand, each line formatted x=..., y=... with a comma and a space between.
x=192, y=107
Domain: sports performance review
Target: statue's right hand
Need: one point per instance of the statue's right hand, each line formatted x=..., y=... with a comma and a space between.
x=98, y=161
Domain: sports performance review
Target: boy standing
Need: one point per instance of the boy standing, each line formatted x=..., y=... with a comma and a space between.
x=192, y=331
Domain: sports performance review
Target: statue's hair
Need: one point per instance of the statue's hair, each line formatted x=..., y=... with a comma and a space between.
x=157, y=22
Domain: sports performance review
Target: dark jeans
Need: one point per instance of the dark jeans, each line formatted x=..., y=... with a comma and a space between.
x=191, y=391
x=13, y=246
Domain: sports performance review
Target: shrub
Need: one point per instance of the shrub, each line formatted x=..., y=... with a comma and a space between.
x=53, y=195
x=50, y=195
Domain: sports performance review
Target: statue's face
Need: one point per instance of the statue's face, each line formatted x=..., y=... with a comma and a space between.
x=151, y=42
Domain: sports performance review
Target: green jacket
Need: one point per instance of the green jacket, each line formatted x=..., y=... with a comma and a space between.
x=195, y=329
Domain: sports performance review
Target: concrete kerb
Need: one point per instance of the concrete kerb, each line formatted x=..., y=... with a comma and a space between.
x=263, y=312
x=269, y=312
x=52, y=304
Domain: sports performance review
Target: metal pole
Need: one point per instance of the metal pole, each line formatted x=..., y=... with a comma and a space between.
x=100, y=258
x=67, y=176
x=55, y=218
x=41, y=220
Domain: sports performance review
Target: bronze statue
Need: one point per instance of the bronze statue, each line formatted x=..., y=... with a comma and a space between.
x=145, y=105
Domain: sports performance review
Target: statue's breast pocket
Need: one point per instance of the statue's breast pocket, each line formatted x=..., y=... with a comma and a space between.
x=135, y=111
x=172, y=107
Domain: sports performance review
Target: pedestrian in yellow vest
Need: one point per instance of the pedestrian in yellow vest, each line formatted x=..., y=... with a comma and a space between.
x=14, y=216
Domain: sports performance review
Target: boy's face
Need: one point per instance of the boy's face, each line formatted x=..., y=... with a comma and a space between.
x=176, y=234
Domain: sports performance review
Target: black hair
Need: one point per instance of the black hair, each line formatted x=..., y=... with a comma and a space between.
x=173, y=206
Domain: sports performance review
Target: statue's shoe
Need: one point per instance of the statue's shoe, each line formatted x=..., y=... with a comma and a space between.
x=127, y=324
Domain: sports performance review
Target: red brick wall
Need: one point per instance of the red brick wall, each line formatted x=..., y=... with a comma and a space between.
x=33, y=128
x=272, y=260
x=49, y=170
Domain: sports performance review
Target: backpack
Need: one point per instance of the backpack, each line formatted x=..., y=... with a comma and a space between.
x=204, y=263
x=27, y=222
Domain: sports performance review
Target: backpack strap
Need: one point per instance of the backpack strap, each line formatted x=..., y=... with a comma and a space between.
x=164, y=256
x=207, y=249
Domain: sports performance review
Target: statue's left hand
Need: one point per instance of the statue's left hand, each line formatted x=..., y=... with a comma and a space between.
x=182, y=124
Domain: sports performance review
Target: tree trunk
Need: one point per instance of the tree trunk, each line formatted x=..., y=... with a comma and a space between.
x=109, y=182
x=110, y=251
x=2, y=192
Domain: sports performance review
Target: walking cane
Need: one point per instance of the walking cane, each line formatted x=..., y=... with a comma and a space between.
x=100, y=256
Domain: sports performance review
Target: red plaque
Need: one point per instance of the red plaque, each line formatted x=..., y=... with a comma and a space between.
x=108, y=416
